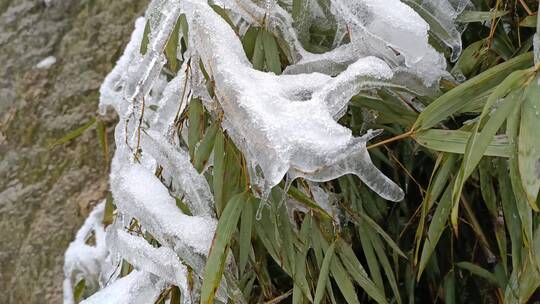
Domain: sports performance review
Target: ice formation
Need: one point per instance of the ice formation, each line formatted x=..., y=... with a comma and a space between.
x=85, y=261
x=285, y=125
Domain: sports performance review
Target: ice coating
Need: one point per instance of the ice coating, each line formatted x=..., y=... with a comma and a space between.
x=285, y=125
x=176, y=163
x=138, y=287
x=398, y=35
x=139, y=194
x=276, y=129
x=111, y=90
x=444, y=12
x=162, y=262
x=84, y=261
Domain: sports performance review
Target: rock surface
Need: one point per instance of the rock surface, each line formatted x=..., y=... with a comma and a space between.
x=46, y=193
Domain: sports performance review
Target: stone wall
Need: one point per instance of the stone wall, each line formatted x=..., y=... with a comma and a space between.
x=46, y=193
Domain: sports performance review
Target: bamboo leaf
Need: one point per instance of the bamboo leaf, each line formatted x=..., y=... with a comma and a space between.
x=73, y=134
x=324, y=273
x=271, y=53
x=246, y=226
x=146, y=38
x=529, y=143
x=205, y=147
x=454, y=100
x=508, y=95
x=455, y=141
x=435, y=230
x=529, y=21
x=196, y=126
x=357, y=272
x=258, y=52
x=479, y=271
x=215, y=264
x=479, y=16
x=171, y=49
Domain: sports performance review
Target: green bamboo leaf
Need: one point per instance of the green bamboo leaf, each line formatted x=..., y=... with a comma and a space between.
x=373, y=225
x=343, y=281
x=455, y=141
x=479, y=16
x=529, y=21
x=108, y=215
x=196, y=125
x=470, y=59
x=435, y=230
x=515, y=192
x=324, y=273
x=301, y=285
x=175, y=295
x=385, y=263
x=185, y=29
x=450, y=288
x=146, y=38
x=215, y=264
x=522, y=285
x=441, y=177
x=205, y=147
x=246, y=226
x=507, y=96
x=512, y=216
x=258, y=53
x=248, y=41
x=78, y=291
x=308, y=202
x=171, y=49
x=487, y=189
x=102, y=136
x=219, y=171
x=480, y=272
x=73, y=134
x=454, y=100
x=271, y=53
x=529, y=142
x=502, y=44
x=357, y=272
x=371, y=258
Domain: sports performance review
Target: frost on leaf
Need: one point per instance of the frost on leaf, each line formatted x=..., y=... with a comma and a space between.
x=284, y=125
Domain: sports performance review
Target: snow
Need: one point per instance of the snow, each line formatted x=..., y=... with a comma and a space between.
x=46, y=63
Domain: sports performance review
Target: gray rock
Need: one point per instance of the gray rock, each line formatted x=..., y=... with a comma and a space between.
x=45, y=193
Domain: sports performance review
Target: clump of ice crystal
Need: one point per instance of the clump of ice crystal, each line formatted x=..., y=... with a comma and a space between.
x=285, y=125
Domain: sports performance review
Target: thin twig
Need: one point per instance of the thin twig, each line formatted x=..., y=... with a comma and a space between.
x=392, y=139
